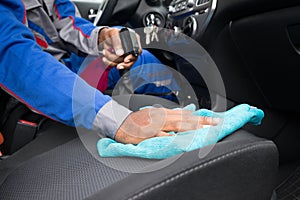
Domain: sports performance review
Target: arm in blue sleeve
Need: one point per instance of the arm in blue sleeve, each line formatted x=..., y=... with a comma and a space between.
x=74, y=29
x=40, y=81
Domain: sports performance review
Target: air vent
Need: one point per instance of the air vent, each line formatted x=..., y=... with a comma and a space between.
x=200, y=2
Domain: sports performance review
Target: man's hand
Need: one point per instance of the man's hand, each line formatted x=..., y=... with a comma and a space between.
x=156, y=122
x=113, y=52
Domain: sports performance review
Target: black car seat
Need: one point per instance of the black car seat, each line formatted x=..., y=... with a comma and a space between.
x=240, y=167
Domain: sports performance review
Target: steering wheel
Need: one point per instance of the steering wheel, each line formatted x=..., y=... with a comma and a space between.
x=115, y=12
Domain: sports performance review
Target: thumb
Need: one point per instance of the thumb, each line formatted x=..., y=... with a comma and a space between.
x=162, y=134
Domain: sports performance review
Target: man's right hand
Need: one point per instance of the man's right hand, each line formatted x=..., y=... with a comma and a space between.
x=157, y=122
x=109, y=39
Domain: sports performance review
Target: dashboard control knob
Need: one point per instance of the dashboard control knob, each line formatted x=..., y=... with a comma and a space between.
x=190, y=3
x=171, y=9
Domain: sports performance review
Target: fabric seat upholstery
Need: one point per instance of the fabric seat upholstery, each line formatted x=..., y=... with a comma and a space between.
x=242, y=166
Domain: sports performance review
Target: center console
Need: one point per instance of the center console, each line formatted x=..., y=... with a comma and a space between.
x=191, y=17
x=187, y=18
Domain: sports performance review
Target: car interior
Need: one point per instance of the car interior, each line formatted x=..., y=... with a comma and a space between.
x=255, y=47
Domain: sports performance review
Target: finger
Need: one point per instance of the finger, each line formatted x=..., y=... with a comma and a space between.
x=187, y=116
x=108, y=62
x=130, y=58
x=204, y=120
x=186, y=122
x=184, y=126
x=139, y=42
x=164, y=134
x=124, y=65
x=178, y=112
x=111, y=56
x=127, y=63
x=120, y=66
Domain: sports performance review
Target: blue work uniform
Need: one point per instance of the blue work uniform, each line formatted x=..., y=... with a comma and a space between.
x=35, y=36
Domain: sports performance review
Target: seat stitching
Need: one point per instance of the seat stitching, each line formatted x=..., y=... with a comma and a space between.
x=196, y=168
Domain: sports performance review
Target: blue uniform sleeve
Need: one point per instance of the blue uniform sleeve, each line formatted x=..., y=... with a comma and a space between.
x=38, y=79
x=74, y=29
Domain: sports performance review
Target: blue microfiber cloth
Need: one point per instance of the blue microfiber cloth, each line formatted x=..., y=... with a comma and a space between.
x=165, y=147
